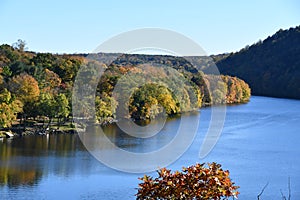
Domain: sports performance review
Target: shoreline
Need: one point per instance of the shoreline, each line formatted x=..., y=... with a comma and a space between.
x=70, y=128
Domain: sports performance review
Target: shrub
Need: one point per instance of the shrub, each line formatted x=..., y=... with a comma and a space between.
x=194, y=182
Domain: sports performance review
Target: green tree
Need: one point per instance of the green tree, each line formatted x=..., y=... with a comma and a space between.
x=45, y=60
x=62, y=108
x=53, y=106
x=8, y=55
x=45, y=108
x=46, y=105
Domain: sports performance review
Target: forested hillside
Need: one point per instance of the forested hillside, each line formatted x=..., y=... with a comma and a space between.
x=271, y=67
x=36, y=88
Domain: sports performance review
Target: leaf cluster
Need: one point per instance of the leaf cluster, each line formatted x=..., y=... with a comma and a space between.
x=194, y=182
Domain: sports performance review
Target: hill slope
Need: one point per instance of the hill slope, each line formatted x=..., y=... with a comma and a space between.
x=270, y=67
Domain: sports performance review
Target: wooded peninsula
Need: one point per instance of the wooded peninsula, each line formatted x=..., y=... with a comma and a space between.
x=36, y=88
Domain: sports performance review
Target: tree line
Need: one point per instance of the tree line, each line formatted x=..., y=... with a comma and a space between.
x=36, y=88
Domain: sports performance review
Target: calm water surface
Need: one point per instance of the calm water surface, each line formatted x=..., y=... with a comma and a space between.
x=260, y=143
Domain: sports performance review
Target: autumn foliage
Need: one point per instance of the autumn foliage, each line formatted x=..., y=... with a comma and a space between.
x=40, y=86
x=199, y=181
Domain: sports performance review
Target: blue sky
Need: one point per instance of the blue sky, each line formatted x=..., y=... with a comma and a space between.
x=65, y=26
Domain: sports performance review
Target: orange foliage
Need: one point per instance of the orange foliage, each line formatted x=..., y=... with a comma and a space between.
x=194, y=182
x=25, y=87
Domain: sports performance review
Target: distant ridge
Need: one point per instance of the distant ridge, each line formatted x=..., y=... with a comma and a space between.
x=271, y=67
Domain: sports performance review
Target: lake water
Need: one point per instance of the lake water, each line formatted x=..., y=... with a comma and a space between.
x=260, y=143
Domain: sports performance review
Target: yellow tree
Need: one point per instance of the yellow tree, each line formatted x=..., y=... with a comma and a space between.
x=9, y=108
x=26, y=89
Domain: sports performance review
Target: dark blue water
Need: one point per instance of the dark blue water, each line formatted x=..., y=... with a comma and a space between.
x=260, y=143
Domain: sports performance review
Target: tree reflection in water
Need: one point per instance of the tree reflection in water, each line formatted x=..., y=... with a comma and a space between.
x=25, y=160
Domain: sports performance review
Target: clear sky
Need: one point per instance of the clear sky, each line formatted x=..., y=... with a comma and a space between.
x=70, y=26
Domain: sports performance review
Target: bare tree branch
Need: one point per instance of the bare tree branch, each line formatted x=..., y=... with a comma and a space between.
x=282, y=196
x=262, y=191
x=289, y=187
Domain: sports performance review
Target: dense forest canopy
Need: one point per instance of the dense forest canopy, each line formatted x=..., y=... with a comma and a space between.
x=37, y=87
x=173, y=85
x=271, y=67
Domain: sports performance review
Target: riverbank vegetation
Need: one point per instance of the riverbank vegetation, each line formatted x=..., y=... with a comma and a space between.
x=36, y=88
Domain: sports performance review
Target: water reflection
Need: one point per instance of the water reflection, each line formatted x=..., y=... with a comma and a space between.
x=25, y=160
x=13, y=176
x=259, y=144
x=143, y=145
x=28, y=160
